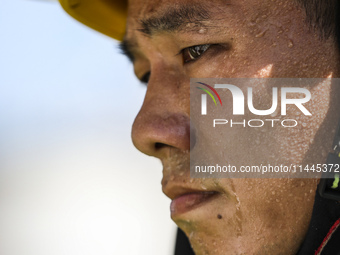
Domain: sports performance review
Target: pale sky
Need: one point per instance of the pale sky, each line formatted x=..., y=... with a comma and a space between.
x=71, y=181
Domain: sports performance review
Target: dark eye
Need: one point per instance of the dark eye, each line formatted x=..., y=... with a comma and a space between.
x=194, y=52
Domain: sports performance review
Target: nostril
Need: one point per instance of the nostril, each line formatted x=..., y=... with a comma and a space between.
x=159, y=146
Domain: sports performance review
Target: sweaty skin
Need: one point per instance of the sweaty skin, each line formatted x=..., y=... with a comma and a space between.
x=257, y=38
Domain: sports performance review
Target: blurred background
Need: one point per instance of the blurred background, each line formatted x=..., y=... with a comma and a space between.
x=71, y=181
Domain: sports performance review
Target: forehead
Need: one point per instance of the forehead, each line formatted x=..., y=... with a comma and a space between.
x=152, y=15
x=148, y=18
x=166, y=15
x=141, y=9
x=146, y=8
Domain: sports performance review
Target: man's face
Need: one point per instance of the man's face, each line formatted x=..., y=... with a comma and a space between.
x=173, y=41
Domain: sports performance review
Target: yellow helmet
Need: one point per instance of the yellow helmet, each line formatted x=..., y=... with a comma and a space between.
x=105, y=16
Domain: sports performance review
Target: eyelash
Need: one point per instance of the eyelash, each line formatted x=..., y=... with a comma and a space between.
x=187, y=55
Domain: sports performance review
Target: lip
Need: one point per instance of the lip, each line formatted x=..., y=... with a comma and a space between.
x=189, y=201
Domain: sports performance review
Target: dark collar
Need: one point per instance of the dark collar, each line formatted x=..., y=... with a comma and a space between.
x=323, y=236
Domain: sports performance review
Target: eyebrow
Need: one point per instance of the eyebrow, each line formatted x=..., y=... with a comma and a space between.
x=175, y=19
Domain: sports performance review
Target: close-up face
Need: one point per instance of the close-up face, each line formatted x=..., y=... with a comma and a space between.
x=170, y=42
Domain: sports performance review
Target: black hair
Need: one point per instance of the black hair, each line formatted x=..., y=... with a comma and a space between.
x=323, y=16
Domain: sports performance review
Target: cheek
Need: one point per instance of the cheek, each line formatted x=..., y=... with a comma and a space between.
x=272, y=144
x=266, y=205
x=256, y=213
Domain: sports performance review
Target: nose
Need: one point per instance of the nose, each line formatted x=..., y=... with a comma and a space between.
x=163, y=122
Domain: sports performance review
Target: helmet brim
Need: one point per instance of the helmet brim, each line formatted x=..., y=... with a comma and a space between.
x=106, y=16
